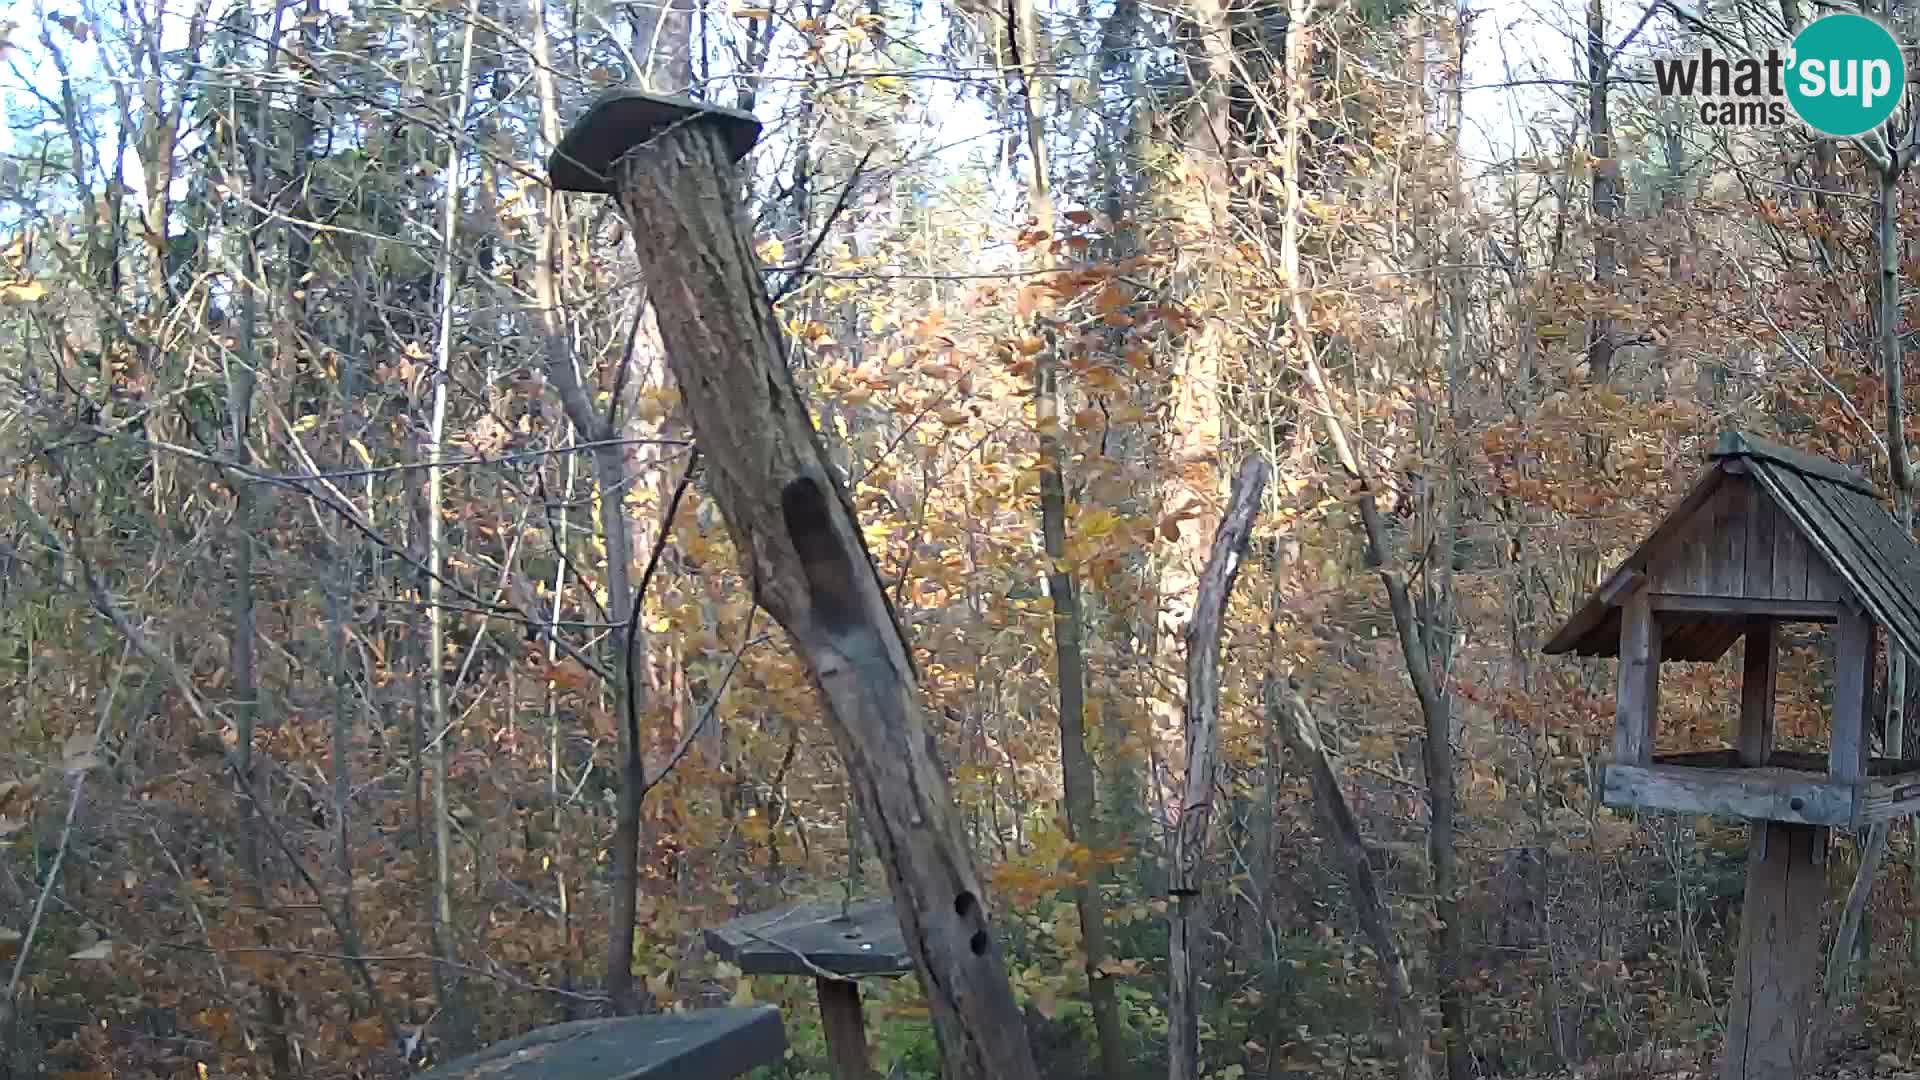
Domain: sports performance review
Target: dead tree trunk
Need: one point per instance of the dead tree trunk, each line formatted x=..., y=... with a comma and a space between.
x=1287, y=713
x=1187, y=921
x=672, y=163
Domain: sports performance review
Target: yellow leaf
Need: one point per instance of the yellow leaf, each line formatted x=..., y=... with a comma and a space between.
x=1045, y=1001
x=743, y=991
x=305, y=424
x=22, y=292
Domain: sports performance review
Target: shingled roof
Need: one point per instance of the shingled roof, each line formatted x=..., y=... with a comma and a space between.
x=1769, y=523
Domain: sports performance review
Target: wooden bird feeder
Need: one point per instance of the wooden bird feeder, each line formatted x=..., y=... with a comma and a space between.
x=1769, y=535
x=706, y=1044
x=835, y=944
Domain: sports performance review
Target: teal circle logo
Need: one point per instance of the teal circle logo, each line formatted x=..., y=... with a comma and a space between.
x=1845, y=74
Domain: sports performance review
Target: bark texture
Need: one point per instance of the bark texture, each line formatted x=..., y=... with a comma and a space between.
x=1187, y=918
x=793, y=524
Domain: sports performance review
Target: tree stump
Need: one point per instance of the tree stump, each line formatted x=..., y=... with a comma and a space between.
x=671, y=161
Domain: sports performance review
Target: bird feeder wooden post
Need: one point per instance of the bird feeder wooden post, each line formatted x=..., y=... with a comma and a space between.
x=1769, y=535
x=670, y=162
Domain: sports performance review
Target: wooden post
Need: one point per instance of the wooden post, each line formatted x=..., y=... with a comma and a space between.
x=1776, y=984
x=1755, y=738
x=1637, y=702
x=846, y=1027
x=1853, y=640
x=671, y=161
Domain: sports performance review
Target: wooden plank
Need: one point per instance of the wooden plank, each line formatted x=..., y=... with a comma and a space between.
x=1702, y=553
x=1762, y=793
x=1892, y=544
x=1754, y=739
x=1852, y=672
x=1769, y=607
x=1822, y=582
x=1890, y=798
x=1790, y=555
x=1579, y=633
x=1775, y=1006
x=1729, y=542
x=861, y=938
x=1707, y=638
x=1735, y=444
x=1637, y=701
x=846, y=1028
x=1834, y=539
x=679, y=1046
x=1813, y=765
x=1683, y=638
x=1724, y=758
x=1760, y=524
x=1872, y=574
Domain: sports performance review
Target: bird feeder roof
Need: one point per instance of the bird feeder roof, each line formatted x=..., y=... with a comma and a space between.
x=1763, y=506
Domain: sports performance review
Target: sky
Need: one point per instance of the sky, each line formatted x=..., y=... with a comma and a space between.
x=1522, y=65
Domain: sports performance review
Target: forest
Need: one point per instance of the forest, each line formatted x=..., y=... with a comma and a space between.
x=383, y=675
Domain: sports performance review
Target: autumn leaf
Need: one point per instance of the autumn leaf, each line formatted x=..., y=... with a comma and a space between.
x=22, y=292
x=99, y=950
x=1045, y=1001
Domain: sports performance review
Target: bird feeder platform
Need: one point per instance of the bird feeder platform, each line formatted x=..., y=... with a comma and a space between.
x=834, y=943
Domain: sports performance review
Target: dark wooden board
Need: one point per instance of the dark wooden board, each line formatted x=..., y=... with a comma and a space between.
x=705, y=1044
x=625, y=117
x=864, y=941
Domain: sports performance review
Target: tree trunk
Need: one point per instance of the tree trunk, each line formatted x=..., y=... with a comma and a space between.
x=1435, y=705
x=1187, y=917
x=1288, y=714
x=612, y=476
x=793, y=524
x=455, y=1022
x=1892, y=359
x=1069, y=627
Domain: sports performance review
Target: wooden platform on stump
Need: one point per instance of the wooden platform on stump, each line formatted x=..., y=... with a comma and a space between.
x=1791, y=787
x=832, y=942
x=705, y=1044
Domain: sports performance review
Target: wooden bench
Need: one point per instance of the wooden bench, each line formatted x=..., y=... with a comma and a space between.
x=706, y=1044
